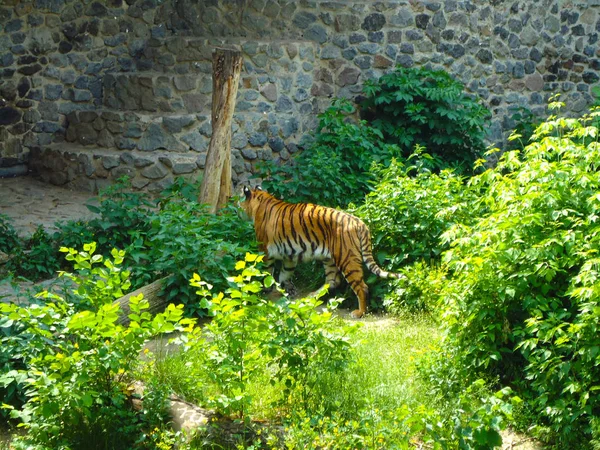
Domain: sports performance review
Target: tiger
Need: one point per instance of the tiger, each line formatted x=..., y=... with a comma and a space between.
x=296, y=232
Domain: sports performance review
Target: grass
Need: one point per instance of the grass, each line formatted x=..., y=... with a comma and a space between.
x=386, y=359
x=382, y=374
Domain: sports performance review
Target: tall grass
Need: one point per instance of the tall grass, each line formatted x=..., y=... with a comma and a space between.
x=382, y=375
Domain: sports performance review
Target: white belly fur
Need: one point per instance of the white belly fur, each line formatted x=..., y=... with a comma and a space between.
x=319, y=254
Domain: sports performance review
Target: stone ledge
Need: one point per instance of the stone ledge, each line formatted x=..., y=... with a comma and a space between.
x=255, y=135
x=92, y=169
x=147, y=132
x=155, y=91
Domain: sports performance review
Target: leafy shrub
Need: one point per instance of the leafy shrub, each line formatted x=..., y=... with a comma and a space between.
x=525, y=125
x=334, y=169
x=411, y=207
x=473, y=423
x=419, y=106
x=9, y=240
x=419, y=290
x=403, y=109
x=37, y=258
x=239, y=323
x=185, y=238
x=523, y=302
x=169, y=236
x=407, y=212
x=290, y=339
x=13, y=350
x=78, y=365
x=123, y=214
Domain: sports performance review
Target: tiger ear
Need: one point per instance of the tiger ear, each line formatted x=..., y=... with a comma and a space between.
x=247, y=192
x=258, y=188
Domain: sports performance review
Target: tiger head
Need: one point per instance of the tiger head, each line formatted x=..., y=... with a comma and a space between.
x=251, y=200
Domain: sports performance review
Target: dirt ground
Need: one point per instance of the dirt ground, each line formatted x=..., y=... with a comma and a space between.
x=30, y=203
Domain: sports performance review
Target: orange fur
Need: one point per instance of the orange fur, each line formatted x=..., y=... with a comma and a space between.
x=302, y=232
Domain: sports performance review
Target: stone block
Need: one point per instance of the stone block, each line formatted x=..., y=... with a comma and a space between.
x=155, y=137
x=155, y=171
x=9, y=116
x=110, y=161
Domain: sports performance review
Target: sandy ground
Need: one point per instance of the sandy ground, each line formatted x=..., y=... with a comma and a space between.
x=30, y=203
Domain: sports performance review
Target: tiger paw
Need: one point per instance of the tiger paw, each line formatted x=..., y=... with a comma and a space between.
x=289, y=288
x=357, y=314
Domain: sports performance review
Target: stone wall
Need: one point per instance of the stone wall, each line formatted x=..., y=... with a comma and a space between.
x=93, y=90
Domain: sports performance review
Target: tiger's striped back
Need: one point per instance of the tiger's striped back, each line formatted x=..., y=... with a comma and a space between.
x=302, y=232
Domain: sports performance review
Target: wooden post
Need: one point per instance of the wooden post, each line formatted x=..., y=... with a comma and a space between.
x=216, y=182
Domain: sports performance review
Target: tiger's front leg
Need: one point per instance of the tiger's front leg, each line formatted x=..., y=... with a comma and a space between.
x=287, y=270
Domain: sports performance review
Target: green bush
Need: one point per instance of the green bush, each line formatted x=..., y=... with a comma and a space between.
x=170, y=236
x=525, y=125
x=123, y=215
x=523, y=302
x=407, y=212
x=419, y=290
x=290, y=339
x=402, y=110
x=419, y=106
x=473, y=422
x=185, y=238
x=411, y=207
x=78, y=365
x=334, y=169
x=9, y=240
x=37, y=258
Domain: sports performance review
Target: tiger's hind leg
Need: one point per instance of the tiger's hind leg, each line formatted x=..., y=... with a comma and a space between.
x=351, y=268
x=333, y=276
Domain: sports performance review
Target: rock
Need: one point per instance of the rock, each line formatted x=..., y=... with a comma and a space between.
x=155, y=172
x=9, y=115
x=105, y=139
x=373, y=22
x=284, y=104
x=156, y=137
x=183, y=167
x=276, y=144
x=257, y=139
x=421, y=20
x=304, y=19
x=96, y=9
x=364, y=62
x=590, y=77
x=382, y=62
x=346, y=22
x=249, y=153
x=133, y=130
x=196, y=141
x=86, y=134
x=178, y=123
x=270, y=92
x=13, y=25
x=108, y=162
x=348, y=76
x=30, y=70
x=316, y=33
x=485, y=56
x=404, y=18
x=185, y=83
